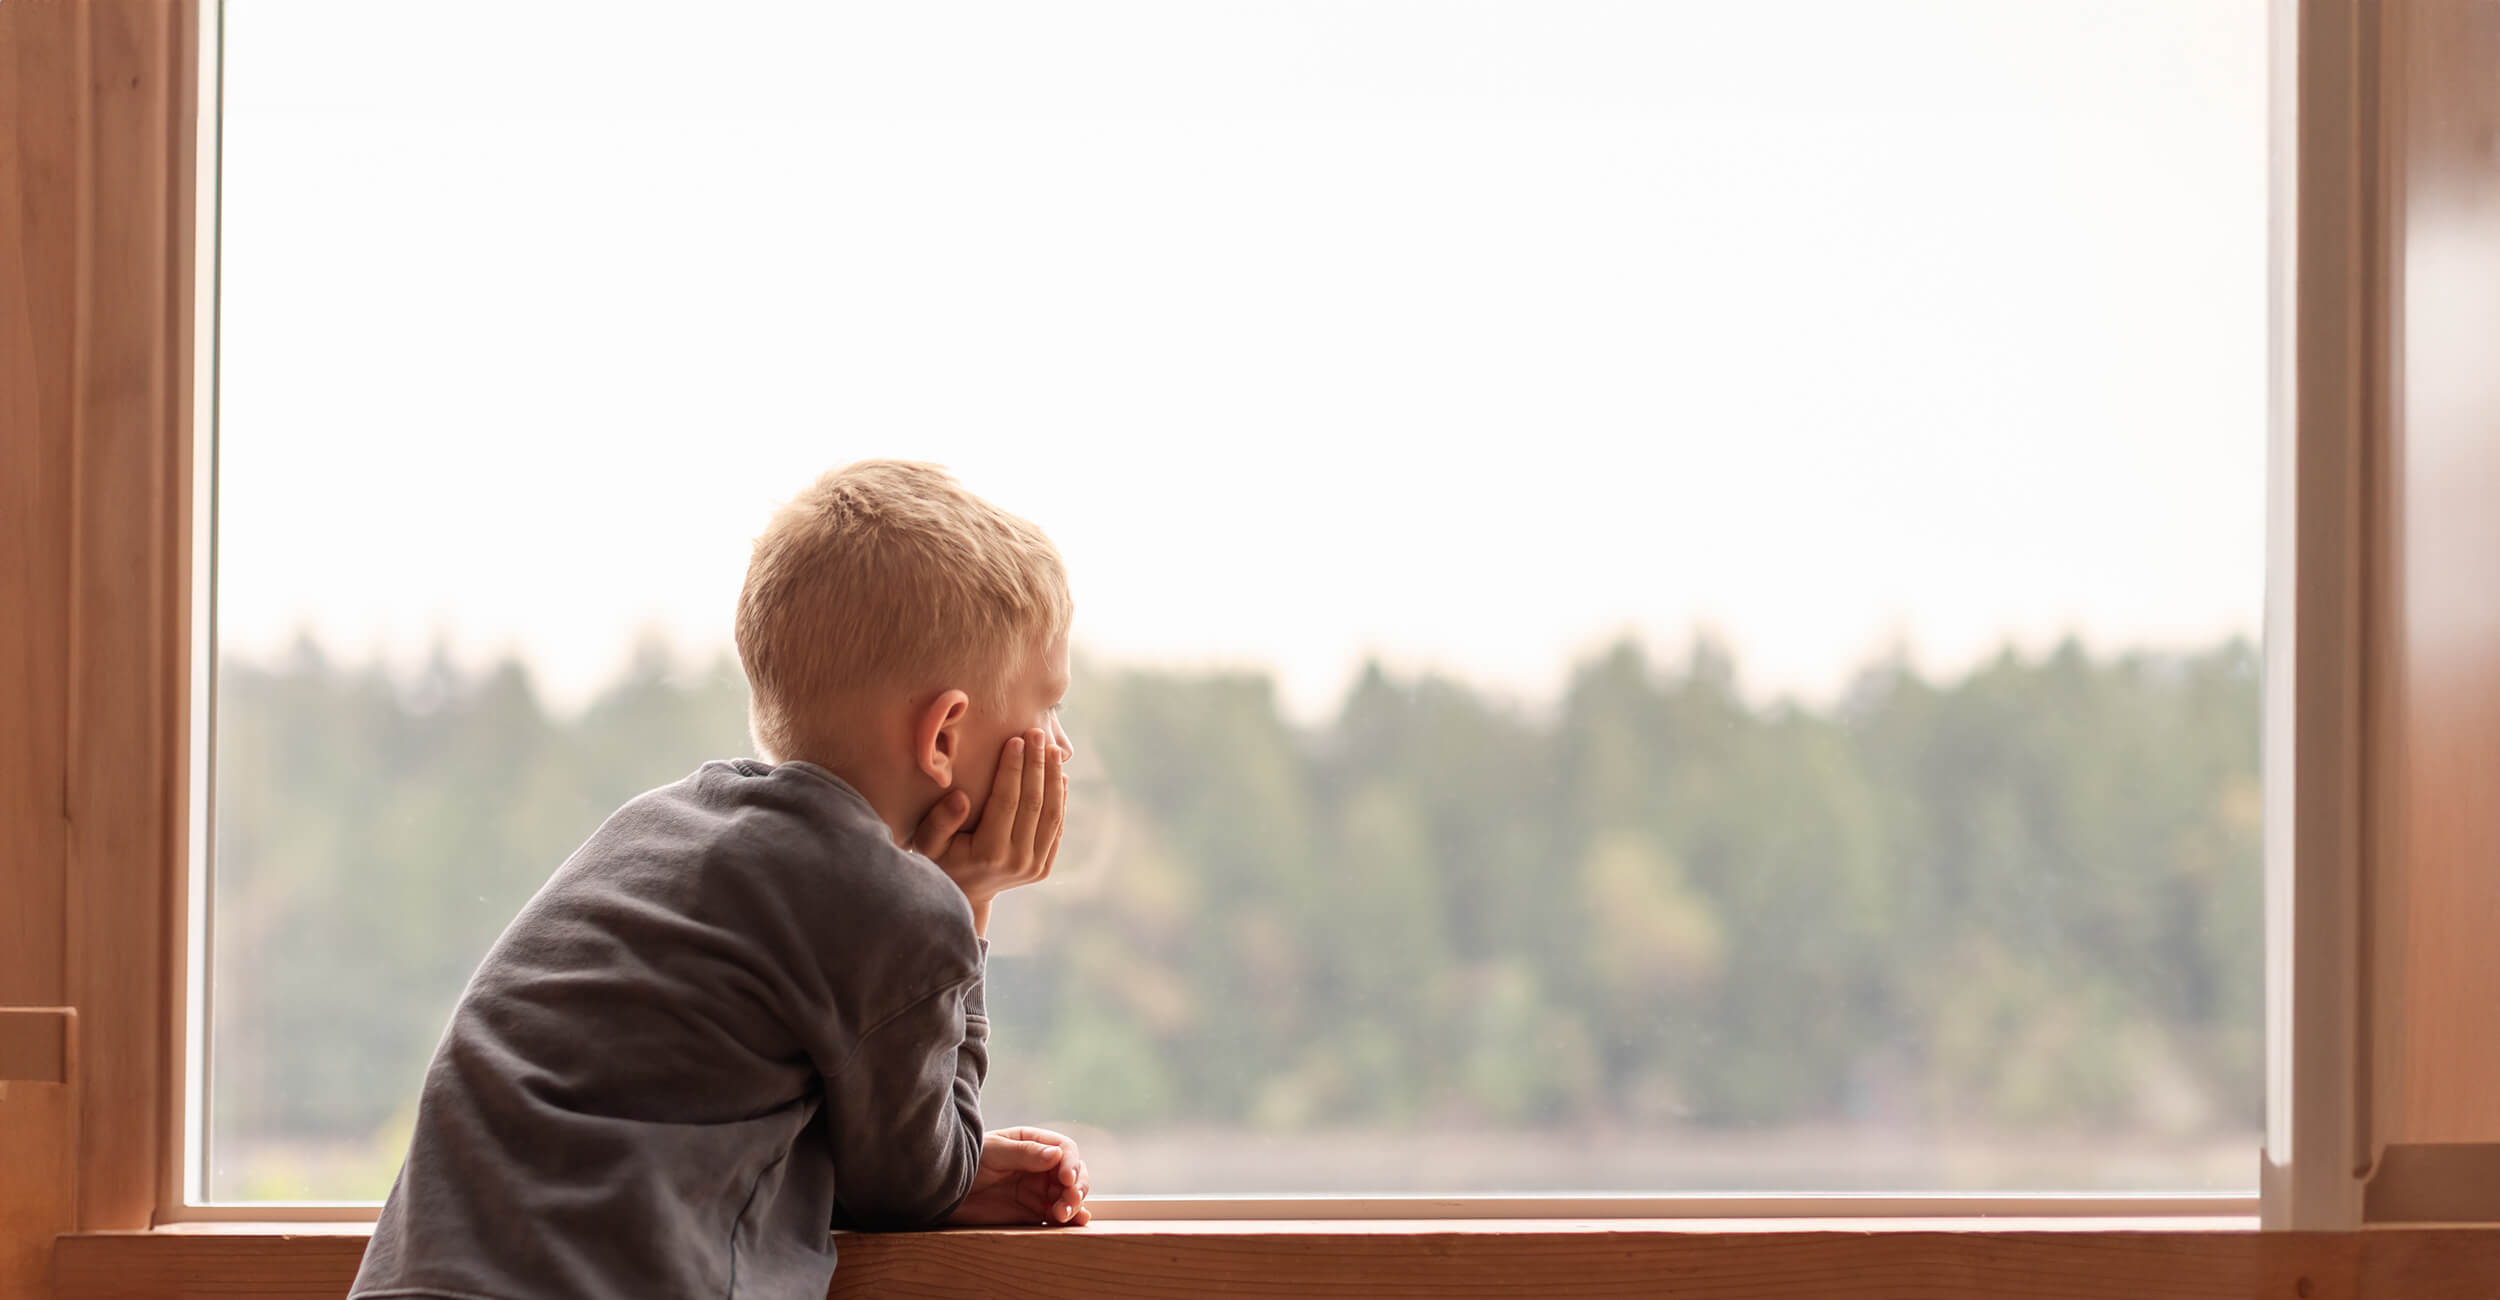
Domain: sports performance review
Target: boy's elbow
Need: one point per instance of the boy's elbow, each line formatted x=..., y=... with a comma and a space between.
x=896, y=1213
x=893, y=1213
x=906, y=1204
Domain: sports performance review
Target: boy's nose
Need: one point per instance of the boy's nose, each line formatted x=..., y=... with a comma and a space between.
x=1059, y=737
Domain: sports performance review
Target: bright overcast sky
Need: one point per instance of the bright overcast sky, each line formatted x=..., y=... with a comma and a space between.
x=1468, y=334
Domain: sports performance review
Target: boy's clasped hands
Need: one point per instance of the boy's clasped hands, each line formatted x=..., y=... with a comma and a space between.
x=1027, y=1175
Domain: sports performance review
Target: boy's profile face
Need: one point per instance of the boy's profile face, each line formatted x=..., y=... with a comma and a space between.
x=1030, y=700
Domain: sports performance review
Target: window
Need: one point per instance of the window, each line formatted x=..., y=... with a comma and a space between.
x=1668, y=594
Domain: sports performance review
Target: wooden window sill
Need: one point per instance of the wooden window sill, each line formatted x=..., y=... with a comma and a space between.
x=1720, y=1259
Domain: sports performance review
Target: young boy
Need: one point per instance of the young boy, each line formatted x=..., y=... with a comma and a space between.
x=748, y=1010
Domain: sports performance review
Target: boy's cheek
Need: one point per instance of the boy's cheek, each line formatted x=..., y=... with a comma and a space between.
x=976, y=787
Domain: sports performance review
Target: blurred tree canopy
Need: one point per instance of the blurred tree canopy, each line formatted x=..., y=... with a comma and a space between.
x=2028, y=897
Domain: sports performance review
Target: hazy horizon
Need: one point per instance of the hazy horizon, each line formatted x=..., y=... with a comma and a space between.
x=407, y=666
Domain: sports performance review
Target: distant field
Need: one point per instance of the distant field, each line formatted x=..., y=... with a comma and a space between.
x=1209, y=1162
x=1838, y=1160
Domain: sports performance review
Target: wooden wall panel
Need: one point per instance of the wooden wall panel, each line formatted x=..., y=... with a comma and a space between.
x=38, y=1143
x=38, y=287
x=38, y=1199
x=2437, y=973
x=41, y=53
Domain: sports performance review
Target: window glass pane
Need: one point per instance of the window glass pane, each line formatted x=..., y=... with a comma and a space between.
x=1666, y=591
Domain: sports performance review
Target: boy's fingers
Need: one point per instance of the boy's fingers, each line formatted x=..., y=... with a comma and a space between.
x=1060, y=1142
x=1006, y=791
x=1029, y=809
x=1046, y=1203
x=1028, y=1157
x=1069, y=1201
x=1027, y=1133
x=1054, y=815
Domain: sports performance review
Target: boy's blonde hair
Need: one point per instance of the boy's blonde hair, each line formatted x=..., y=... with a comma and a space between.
x=883, y=575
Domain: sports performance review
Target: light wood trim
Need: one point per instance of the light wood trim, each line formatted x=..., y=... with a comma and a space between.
x=2336, y=425
x=95, y=345
x=2382, y=1012
x=198, y=79
x=1428, y=1259
x=130, y=444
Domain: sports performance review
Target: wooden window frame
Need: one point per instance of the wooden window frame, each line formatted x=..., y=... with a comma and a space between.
x=102, y=309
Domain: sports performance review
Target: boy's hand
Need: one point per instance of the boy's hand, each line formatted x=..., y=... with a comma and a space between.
x=1018, y=839
x=1027, y=1176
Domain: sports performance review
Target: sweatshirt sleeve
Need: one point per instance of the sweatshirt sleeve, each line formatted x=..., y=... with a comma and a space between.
x=905, y=1113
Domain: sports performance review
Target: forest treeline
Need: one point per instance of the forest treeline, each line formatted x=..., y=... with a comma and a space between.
x=2026, y=897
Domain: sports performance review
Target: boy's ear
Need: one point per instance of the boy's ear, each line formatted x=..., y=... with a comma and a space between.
x=937, y=737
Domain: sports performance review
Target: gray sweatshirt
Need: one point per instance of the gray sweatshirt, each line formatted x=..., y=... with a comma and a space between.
x=736, y=1018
